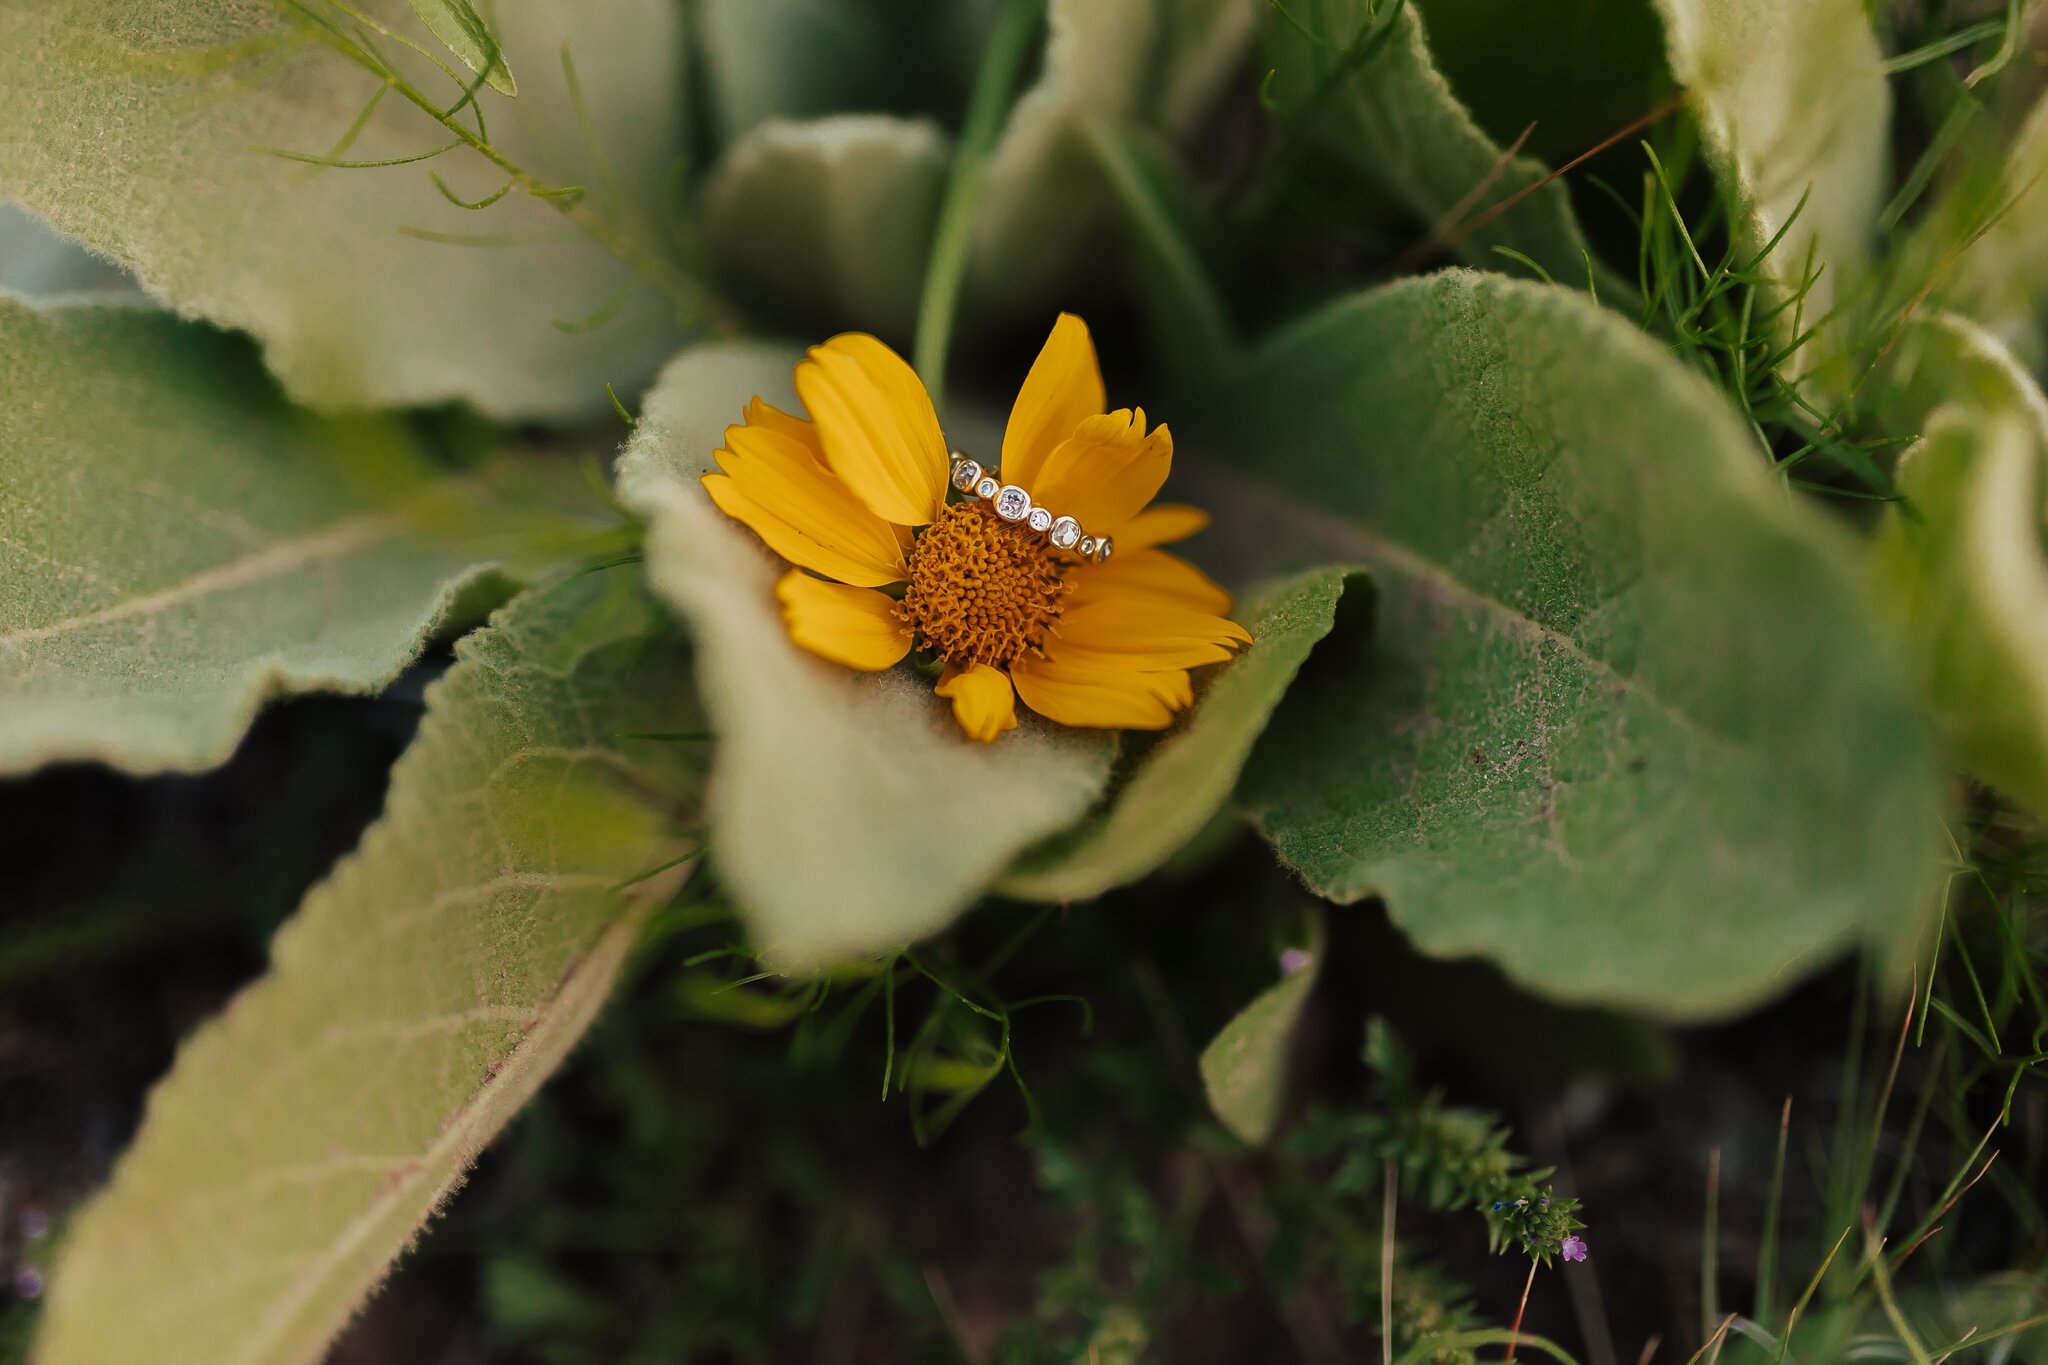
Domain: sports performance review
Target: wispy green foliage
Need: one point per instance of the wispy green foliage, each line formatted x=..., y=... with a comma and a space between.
x=415, y=1003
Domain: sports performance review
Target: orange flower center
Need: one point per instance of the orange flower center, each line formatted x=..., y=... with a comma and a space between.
x=982, y=590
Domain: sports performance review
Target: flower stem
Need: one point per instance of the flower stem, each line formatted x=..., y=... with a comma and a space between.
x=1515, y=1332
x=1000, y=62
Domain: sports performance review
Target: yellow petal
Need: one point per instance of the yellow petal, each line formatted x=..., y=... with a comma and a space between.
x=1063, y=390
x=1160, y=525
x=1143, y=634
x=852, y=626
x=1153, y=575
x=1100, y=697
x=1105, y=473
x=774, y=483
x=877, y=427
x=983, y=701
x=761, y=413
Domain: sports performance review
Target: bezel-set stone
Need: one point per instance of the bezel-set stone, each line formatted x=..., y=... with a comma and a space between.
x=1038, y=520
x=1013, y=503
x=1064, y=532
x=988, y=487
x=1087, y=547
x=966, y=474
x=1103, y=547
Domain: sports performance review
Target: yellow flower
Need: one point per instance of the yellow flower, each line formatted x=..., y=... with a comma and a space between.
x=857, y=498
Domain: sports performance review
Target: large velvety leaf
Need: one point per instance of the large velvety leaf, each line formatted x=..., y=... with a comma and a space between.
x=1962, y=563
x=1396, y=119
x=421, y=995
x=136, y=126
x=1186, y=776
x=1625, y=725
x=178, y=544
x=1792, y=99
x=848, y=813
x=830, y=221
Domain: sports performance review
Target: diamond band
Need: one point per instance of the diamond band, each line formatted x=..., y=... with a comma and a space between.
x=1013, y=504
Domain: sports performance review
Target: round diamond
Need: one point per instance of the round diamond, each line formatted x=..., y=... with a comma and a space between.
x=987, y=487
x=1038, y=520
x=1103, y=548
x=1013, y=503
x=1088, y=546
x=966, y=474
x=1065, y=532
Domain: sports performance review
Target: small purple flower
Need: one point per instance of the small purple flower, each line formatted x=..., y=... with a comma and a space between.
x=1574, y=1248
x=34, y=1224
x=1294, y=960
x=28, y=1283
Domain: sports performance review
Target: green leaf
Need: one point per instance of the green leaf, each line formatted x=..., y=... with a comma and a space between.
x=829, y=222
x=2001, y=279
x=140, y=131
x=1627, y=726
x=848, y=814
x=1244, y=1068
x=419, y=998
x=1044, y=203
x=800, y=59
x=457, y=24
x=1186, y=776
x=1371, y=94
x=1578, y=75
x=1792, y=100
x=1205, y=43
x=1961, y=562
x=178, y=545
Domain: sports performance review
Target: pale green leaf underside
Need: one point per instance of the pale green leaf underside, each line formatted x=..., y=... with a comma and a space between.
x=830, y=219
x=463, y=32
x=2001, y=280
x=420, y=996
x=848, y=813
x=1793, y=102
x=177, y=544
x=132, y=125
x=1244, y=1068
x=1186, y=777
x=1625, y=725
x=1397, y=120
x=1964, y=568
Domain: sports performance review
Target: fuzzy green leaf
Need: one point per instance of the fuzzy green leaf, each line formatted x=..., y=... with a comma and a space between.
x=830, y=221
x=1244, y=1068
x=1792, y=100
x=1044, y=202
x=1186, y=776
x=1626, y=725
x=178, y=545
x=848, y=813
x=1961, y=563
x=421, y=995
x=140, y=130
x=457, y=24
x=1371, y=93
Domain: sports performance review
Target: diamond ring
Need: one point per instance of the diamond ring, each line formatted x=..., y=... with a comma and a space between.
x=1014, y=504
